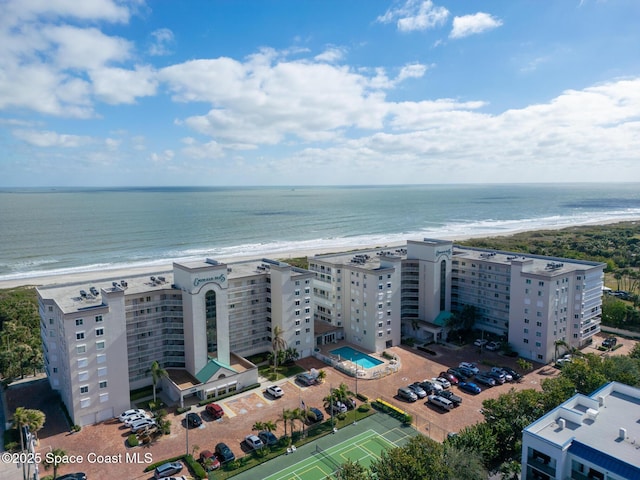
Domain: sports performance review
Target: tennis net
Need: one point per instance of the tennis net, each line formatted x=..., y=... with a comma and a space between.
x=327, y=457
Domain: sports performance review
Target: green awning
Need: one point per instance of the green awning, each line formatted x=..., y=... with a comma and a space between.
x=442, y=318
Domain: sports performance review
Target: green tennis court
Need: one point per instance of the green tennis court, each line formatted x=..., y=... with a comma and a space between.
x=320, y=459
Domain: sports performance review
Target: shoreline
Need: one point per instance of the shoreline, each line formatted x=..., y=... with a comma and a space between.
x=84, y=276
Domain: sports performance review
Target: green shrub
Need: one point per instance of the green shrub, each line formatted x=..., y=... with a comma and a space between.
x=388, y=356
x=76, y=428
x=365, y=407
x=362, y=397
x=11, y=437
x=181, y=410
x=132, y=440
x=341, y=416
x=194, y=467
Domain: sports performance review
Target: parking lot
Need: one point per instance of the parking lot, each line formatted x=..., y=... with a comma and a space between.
x=103, y=446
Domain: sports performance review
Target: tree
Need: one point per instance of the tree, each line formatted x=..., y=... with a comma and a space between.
x=291, y=355
x=635, y=351
x=259, y=426
x=157, y=373
x=269, y=426
x=55, y=459
x=322, y=374
x=477, y=438
x=350, y=470
x=557, y=344
x=464, y=464
x=285, y=417
x=278, y=343
x=510, y=470
x=34, y=419
x=420, y=457
x=556, y=390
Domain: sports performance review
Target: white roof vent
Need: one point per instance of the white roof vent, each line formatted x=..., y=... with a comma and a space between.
x=622, y=433
x=601, y=400
x=592, y=413
x=562, y=423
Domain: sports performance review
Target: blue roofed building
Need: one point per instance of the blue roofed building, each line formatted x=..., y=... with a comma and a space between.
x=586, y=437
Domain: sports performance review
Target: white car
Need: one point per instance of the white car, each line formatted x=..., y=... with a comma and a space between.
x=182, y=477
x=142, y=424
x=275, y=391
x=480, y=342
x=443, y=382
x=254, y=442
x=471, y=366
x=128, y=421
x=435, y=386
x=129, y=413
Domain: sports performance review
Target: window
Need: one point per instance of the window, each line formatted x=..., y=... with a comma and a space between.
x=297, y=303
x=81, y=349
x=526, y=320
x=297, y=292
x=538, y=324
x=104, y=397
x=79, y=335
x=297, y=312
x=297, y=331
x=82, y=362
x=380, y=334
x=101, y=358
x=51, y=321
x=307, y=330
x=85, y=402
x=538, y=344
x=388, y=284
x=297, y=322
x=541, y=284
x=100, y=345
x=102, y=371
x=79, y=322
x=103, y=384
x=526, y=330
x=538, y=334
x=84, y=389
x=98, y=318
x=526, y=340
x=83, y=376
x=99, y=332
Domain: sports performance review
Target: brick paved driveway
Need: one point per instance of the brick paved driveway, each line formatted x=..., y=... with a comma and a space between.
x=242, y=411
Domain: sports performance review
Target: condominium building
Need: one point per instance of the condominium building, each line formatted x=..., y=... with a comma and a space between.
x=587, y=437
x=198, y=321
x=534, y=302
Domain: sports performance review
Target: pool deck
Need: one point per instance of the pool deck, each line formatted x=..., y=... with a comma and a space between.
x=387, y=366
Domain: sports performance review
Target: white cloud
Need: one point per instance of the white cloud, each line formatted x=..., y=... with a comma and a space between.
x=473, y=24
x=415, y=15
x=119, y=85
x=162, y=41
x=331, y=55
x=43, y=138
x=163, y=158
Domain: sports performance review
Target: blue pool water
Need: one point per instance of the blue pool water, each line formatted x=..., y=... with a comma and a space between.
x=362, y=359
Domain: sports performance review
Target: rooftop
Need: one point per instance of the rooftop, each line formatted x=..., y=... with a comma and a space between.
x=596, y=421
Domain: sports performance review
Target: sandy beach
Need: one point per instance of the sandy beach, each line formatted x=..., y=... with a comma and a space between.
x=283, y=256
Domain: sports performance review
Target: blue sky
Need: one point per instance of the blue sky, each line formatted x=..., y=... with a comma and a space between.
x=292, y=92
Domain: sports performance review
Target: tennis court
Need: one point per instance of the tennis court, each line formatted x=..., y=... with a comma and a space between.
x=320, y=459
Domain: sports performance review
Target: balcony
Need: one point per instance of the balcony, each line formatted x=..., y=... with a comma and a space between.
x=537, y=464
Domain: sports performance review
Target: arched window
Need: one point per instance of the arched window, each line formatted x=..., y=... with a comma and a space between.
x=443, y=285
x=212, y=324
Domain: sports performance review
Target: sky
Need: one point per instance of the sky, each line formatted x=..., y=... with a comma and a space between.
x=331, y=92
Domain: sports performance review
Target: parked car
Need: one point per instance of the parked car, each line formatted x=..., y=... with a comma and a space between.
x=609, y=342
x=268, y=438
x=314, y=415
x=214, y=410
x=466, y=372
x=253, y=442
x=469, y=387
x=497, y=375
x=338, y=407
x=508, y=377
x=407, y=394
x=441, y=402
x=493, y=346
x=275, y=391
x=430, y=386
x=167, y=469
x=471, y=366
x=224, y=453
x=417, y=389
x=453, y=380
x=129, y=413
x=460, y=373
x=73, y=476
x=452, y=397
x=480, y=342
x=350, y=403
x=193, y=420
x=208, y=460
x=134, y=418
x=485, y=380
x=443, y=382
x=514, y=375
x=306, y=379
x=142, y=424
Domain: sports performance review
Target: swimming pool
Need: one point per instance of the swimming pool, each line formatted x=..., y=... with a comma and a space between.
x=361, y=359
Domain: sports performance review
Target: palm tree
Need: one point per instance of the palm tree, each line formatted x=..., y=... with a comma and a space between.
x=322, y=374
x=259, y=426
x=269, y=426
x=54, y=460
x=285, y=417
x=20, y=419
x=32, y=418
x=157, y=373
x=560, y=343
x=278, y=343
x=342, y=392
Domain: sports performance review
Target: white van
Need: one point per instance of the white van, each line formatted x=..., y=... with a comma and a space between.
x=141, y=424
x=441, y=402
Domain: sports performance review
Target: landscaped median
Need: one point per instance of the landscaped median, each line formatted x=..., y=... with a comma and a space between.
x=392, y=410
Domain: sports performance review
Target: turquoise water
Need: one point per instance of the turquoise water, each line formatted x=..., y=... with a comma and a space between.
x=58, y=231
x=362, y=359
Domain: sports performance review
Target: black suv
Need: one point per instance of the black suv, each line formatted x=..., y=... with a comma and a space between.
x=609, y=342
x=224, y=453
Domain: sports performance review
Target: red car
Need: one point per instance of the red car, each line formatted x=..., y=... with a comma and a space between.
x=449, y=376
x=209, y=461
x=214, y=410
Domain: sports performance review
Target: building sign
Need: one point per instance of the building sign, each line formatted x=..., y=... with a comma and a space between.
x=219, y=279
x=446, y=252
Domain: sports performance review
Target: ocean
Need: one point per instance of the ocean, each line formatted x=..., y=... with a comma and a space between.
x=66, y=230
